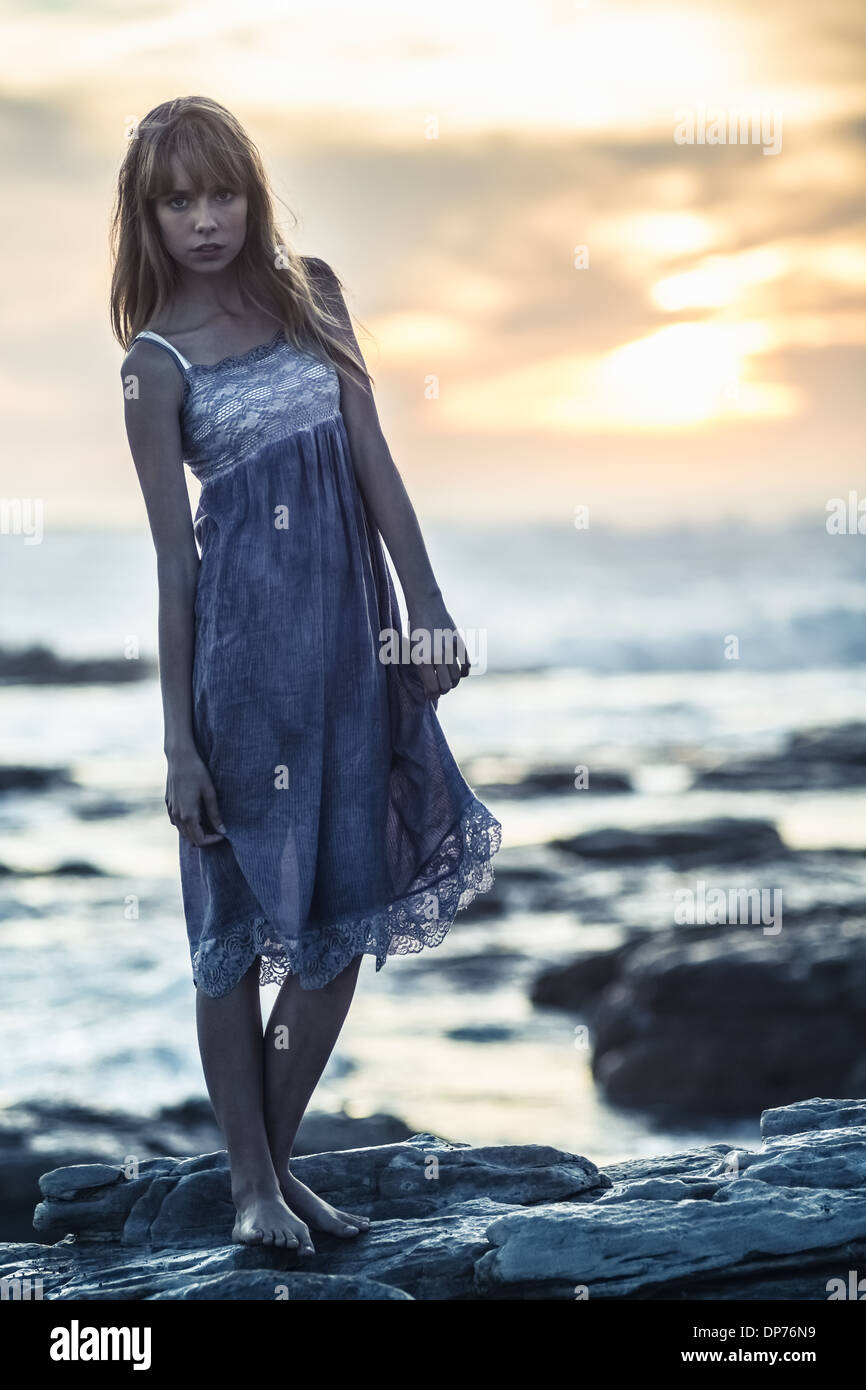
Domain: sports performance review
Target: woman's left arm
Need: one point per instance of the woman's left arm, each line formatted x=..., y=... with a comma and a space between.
x=392, y=512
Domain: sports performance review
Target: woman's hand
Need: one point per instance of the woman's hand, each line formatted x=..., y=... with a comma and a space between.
x=191, y=800
x=432, y=631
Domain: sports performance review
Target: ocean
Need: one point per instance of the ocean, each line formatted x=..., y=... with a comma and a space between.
x=651, y=653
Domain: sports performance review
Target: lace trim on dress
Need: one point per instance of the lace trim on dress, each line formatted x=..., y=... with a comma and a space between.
x=460, y=869
x=252, y=354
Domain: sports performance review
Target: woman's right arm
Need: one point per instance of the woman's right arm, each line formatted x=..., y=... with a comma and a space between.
x=153, y=390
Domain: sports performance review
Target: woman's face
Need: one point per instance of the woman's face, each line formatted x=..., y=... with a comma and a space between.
x=191, y=219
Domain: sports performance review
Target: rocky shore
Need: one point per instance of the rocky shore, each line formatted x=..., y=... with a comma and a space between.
x=702, y=1021
x=43, y=1135
x=456, y=1222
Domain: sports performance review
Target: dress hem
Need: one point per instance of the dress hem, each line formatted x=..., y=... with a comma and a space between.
x=419, y=918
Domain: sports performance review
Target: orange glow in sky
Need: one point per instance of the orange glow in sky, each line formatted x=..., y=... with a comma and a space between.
x=556, y=291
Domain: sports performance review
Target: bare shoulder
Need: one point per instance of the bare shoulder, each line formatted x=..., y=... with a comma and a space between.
x=154, y=368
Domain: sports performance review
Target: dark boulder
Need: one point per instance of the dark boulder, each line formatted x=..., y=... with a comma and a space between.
x=724, y=840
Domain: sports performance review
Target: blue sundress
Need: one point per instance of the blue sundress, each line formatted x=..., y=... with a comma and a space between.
x=350, y=828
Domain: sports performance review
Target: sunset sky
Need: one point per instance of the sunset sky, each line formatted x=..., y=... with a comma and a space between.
x=704, y=357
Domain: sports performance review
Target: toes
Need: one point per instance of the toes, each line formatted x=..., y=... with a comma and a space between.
x=362, y=1223
x=254, y=1236
x=307, y=1246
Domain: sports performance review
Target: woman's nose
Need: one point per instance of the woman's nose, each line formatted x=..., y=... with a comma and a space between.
x=204, y=219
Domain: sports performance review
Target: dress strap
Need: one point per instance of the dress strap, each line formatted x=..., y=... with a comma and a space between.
x=163, y=342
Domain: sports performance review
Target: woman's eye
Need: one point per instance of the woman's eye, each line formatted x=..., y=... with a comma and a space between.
x=178, y=204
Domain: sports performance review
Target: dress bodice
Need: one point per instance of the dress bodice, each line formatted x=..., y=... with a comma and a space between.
x=233, y=407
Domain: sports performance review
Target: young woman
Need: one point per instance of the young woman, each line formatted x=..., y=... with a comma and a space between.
x=321, y=814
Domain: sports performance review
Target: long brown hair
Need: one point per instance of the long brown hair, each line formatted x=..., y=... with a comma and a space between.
x=215, y=150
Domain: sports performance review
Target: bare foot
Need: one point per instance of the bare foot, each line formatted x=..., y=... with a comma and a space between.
x=320, y=1213
x=265, y=1219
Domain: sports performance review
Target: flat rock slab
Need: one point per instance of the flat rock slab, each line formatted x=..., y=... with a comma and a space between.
x=618, y=1249
x=168, y=1203
x=290, y=1288
x=806, y=1115
x=44, y=1134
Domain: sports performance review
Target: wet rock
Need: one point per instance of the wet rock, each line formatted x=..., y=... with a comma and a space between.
x=734, y=1021
x=169, y=1203
x=165, y=1231
x=620, y=1249
x=247, y=1284
x=78, y=868
x=813, y=1114
x=724, y=840
x=34, y=779
x=456, y=1222
x=554, y=781
x=578, y=983
x=788, y=1220
x=477, y=971
x=74, y=868
x=529, y=878
x=43, y=1135
x=321, y=1132
x=39, y=665
x=104, y=808
x=814, y=759
x=483, y=1033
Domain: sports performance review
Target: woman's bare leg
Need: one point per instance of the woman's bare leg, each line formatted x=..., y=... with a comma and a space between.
x=299, y=1038
x=230, y=1042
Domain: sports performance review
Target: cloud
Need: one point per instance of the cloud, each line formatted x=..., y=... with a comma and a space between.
x=458, y=252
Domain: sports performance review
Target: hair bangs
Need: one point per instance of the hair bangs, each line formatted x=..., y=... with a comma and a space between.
x=208, y=158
